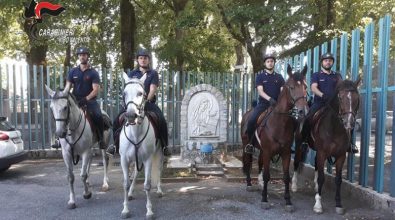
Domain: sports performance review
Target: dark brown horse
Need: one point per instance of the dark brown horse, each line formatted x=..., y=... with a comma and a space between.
x=330, y=136
x=275, y=133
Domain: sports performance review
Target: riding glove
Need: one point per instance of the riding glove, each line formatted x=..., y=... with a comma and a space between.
x=272, y=101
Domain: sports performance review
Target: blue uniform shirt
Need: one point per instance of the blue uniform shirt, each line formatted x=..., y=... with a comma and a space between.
x=83, y=81
x=271, y=83
x=152, y=78
x=326, y=84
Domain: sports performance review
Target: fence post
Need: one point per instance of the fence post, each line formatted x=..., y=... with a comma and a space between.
x=334, y=52
x=365, y=136
x=383, y=57
x=354, y=73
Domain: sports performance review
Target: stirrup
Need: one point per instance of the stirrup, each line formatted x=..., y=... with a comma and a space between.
x=249, y=149
x=111, y=150
x=166, y=151
x=56, y=145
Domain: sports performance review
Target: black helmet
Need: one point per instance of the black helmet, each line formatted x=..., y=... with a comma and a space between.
x=142, y=52
x=83, y=50
x=269, y=56
x=327, y=56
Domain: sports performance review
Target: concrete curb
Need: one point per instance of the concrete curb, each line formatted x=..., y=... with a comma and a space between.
x=375, y=200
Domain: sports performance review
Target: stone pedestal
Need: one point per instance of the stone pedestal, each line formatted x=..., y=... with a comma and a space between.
x=204, y=117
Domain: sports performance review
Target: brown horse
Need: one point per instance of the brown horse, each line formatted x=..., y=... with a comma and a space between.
x=275, y=133
x=330, y=136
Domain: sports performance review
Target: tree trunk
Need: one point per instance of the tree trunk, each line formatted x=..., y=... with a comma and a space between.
x=128, y=28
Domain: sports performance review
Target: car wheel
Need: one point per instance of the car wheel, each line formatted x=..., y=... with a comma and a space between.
x=4, y=168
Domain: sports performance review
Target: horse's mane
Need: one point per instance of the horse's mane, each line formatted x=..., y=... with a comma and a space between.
x=297, y=76
x=59, y=94
x=346, y=85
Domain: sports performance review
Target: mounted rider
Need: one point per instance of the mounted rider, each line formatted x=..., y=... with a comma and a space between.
x=86, y=85
x=323, y=86
x=268, y=84
x=150, y=79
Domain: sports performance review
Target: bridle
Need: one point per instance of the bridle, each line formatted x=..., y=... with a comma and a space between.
x=353, y=112
x=140, y=107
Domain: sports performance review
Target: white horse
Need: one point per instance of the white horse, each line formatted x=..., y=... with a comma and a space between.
x=77, y=139
x=138, y=146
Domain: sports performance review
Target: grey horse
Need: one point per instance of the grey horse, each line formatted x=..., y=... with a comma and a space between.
x=77, y=140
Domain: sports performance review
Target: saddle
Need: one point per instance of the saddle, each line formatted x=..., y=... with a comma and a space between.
x=262, y=116
x=107, y=123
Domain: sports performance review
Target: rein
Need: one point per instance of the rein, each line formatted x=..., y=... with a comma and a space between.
x=136, y=145
x=67, y=122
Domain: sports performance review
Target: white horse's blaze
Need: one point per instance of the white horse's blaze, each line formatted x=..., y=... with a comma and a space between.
x=139, y=139
x=64, y=107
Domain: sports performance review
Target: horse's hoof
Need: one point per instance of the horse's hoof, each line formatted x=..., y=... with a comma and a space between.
x=265, y=205
x=104, y=188
x=150, y=217
x=130, y=198
x=88, y=196
x=340, y=210
x=289, y=208
x=317, y=210
x=125, y=215
x=160, y=194
x=71, y=206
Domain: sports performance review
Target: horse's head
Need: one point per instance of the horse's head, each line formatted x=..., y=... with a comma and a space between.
x=348, y=96
x=134, y=98
x=60, y=107
x=296, y=86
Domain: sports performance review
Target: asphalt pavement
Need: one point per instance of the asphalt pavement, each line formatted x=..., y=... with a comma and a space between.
x=38, y=189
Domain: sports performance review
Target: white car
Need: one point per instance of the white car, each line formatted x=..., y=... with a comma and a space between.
x=388, y=122
x=11, y=145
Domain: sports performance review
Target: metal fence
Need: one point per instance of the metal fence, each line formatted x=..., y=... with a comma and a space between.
x=374, y=166
x=24, y=101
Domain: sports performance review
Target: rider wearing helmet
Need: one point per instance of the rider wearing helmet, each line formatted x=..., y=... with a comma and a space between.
x=268, y=84
x=323, y=86
x=150, y=80
x=86, y=84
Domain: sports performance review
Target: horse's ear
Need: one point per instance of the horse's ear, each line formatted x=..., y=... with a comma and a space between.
x=50, y=92
x=126, y=77
x=304, y=71
x=358, y=81
x=289, y=70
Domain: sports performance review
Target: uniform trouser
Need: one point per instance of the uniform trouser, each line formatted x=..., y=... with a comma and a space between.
x=151, y=107
x=251, y=125
x=94, y=111
x=307, y=124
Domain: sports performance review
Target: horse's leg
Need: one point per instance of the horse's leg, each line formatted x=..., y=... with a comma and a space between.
x=86, y=160
x=297, y=160
x=320, y=162
x=159, y=158
x=134, y=178
x=260, y=169
x=126, y=184
x=70, y=176
x=105, y=158
x=286, y=159
x=147, y=187
x=247, y=163
x=338, y=181
x=315, y=175
x=266, y=178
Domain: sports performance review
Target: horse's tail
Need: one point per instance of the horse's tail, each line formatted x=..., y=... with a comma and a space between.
x=157, y=166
